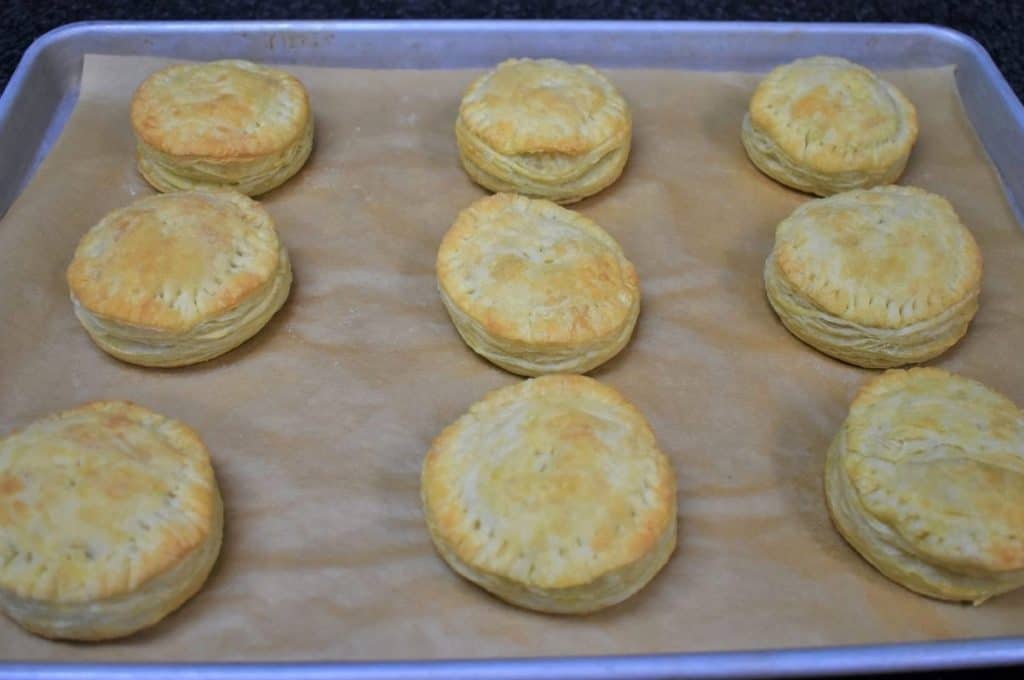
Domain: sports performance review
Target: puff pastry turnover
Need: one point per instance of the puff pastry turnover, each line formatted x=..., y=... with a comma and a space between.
x=110, y=519
x=536, y=288
x=543, y=128
x=176, y=279
x=876, y=277
x=227, y=123
x=552, y=495
x=825, y=125
x=926, y=481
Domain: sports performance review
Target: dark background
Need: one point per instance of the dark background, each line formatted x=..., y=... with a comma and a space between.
x=997, y=25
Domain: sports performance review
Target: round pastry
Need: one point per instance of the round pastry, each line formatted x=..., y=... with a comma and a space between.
x=543, y=128
x=875, y=277
x=536, y=288
x=229, y=123
x=825, y=125
x=176, y=279
x=926, y=481
x=110, y=519
x=552, y=494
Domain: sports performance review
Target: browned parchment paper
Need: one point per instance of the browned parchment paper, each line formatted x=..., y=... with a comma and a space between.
x=317, y=426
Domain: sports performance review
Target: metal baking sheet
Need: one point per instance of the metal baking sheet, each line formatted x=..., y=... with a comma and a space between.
x=44, y=88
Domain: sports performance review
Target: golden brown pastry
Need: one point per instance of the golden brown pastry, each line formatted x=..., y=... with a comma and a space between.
x=230, y=123
x=552, y=494
x=877, y=277
x=110, y=519
x=926, y=481
x=543, y=128
x=176, y=279
x=536, y=288
x=825, y=125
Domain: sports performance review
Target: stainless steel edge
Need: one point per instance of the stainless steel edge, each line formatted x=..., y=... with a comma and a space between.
x=747, y=664
x=996, y=114
x=42, y=92
x=29, y=107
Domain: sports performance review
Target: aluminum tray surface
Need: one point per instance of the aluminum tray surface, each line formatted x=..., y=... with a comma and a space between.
x=44, y=88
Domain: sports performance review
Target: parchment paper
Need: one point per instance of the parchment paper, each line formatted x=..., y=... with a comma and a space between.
x=317, y=427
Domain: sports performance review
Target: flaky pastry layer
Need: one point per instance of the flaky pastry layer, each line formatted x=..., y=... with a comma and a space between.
x=536, y=288
x=543, y=128
x=110, y=518
x=251, y=177
x=926, y=481
x=864, y=345
x=553, y=495
x=502, y=174
x=211, y=338
x=825, y=125
x=877, y=277
x=229, y=123
x=766, y=155
x=178, y=278
x=525, y=359
x=127, y=614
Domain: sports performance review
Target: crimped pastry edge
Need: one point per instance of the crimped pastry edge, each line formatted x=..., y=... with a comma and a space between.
x=574, y=595
x=881, y=547
x=608, y=590
x=782, y=154
x=590, y=180
x=604, y=126
x=249, y=176
x=209, y=339
x=768, y=157
x=863, y=345
x=121, y=616
x=534, y=360
x=510, y=346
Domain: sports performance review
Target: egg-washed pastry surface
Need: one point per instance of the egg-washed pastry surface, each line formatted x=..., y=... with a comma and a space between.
x=926, y=481
x=552, y=494
x=878, y=277
x=228, y=123
x=110, y=519
x=536, y=288
x=179, y=278
x=824, y=125
x=543, y=128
